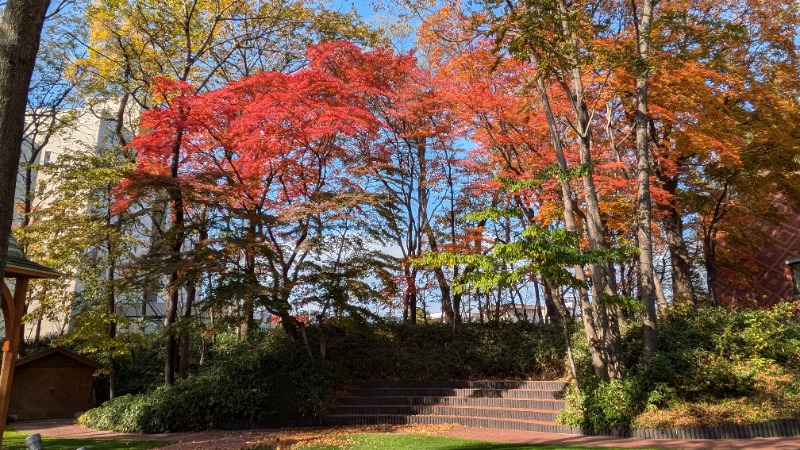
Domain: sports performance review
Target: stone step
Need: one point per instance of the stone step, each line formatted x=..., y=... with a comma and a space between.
x=460, y=411
x=484, y=422
x=555, y=394
x=466, y=384
x=548, y=404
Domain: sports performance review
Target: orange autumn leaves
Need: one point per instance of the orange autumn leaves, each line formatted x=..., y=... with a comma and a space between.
x=274, y=139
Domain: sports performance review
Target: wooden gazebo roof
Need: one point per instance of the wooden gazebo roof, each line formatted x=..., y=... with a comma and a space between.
x=17, y=265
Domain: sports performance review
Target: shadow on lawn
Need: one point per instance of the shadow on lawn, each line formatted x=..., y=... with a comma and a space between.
x=488, y=446
x=17, y=441
x=505, y=446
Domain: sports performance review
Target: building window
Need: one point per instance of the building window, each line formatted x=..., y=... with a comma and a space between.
x=794, y=268
x=47, y=155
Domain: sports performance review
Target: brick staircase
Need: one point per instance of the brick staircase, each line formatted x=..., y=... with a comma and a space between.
x=518, y=405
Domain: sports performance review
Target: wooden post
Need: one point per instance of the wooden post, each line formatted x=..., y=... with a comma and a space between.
x=12, y=311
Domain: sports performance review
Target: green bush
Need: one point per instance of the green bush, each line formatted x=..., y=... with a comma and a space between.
x=714, y=352
x=142, y=369
x=611, y=405
x=708, y=354
x=255, y=379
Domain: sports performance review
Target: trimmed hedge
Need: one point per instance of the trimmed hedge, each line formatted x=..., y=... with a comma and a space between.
x=438, y=352
x=269, y=375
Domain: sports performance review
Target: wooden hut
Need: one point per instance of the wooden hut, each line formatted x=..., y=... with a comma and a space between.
x=21, y=270
x=52, y=384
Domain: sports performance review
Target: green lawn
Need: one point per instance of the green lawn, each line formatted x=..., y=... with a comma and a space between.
x=13, y=440
x=376, y=441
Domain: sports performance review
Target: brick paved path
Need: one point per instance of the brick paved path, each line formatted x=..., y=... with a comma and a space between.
x=235, y=440
x=527, y=437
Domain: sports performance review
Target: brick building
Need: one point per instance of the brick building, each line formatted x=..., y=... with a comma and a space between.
x=764, y=277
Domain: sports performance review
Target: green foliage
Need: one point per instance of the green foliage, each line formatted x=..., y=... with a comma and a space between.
x=253, y=379
x=572, y=414
x=143, y=368
x=713, y=352
x=537, y=251
x=773, y=334
x=441, y=352
x=705, y=355
x=269, y=374
x=78, y=232
x=606, y=405
x=611, y=405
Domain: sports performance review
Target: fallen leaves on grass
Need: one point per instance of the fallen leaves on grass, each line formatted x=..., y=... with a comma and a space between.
x=298, y=438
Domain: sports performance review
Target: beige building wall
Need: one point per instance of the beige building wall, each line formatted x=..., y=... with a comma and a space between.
x=89, y=129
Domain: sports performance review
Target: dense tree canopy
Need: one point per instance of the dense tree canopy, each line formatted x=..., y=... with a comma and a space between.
x=585, y=157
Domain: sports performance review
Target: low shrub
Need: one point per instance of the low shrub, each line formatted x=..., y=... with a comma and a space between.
x=605, y=405
x=255, y=379
x=707, y=358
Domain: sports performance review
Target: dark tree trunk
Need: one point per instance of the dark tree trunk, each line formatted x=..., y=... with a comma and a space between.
x=21, y=350
x=553, y=314
x=191, y=295
x=642, y=20
x=177, y=225
x=410, y=296
x=111, y=311
x=680, y=263
x=444, y=290
x=170, y=318
x=710, y=252
x=19, y=42
x=247, y=319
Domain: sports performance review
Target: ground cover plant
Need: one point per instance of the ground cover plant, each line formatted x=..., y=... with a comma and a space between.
x=13, y=440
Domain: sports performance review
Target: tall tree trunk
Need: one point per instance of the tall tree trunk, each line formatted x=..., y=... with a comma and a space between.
x=642, y=21
x=170, y=317
x=553, y=310
x=111, y=300
x=26, y=220
x=710, y=254
x=247, y=319
x=710, y=243
x=177, y=227
x=565, y=322
x=602, y=334
x=19, y=42
x=605, y=319
x=457, y=308
x=191, y=297
x=410, y=295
